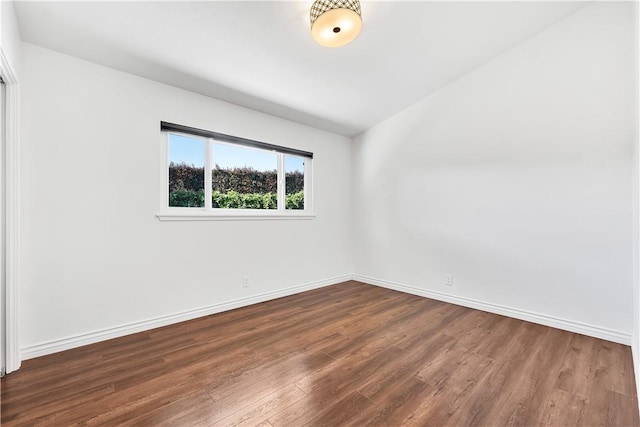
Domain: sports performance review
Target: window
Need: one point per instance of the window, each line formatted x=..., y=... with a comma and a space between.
x=209, y=175
x=243, y=177
x=186, y=171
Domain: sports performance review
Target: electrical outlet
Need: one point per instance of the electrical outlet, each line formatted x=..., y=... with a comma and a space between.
x=245, y=282
x=448, y=279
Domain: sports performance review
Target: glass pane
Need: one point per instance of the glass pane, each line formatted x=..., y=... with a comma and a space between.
x=294, y=181
x=243, y=178
x=186, y=171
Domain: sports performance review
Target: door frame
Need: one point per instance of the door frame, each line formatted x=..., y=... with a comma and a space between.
x=12, y=213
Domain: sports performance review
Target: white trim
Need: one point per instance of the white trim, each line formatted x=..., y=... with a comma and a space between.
x=12, y=164
x=542, y=319
x=232, y=215
x=635, y=347
x=281, y=180
x=208, y=191
x=67, y=343
x=164, y=170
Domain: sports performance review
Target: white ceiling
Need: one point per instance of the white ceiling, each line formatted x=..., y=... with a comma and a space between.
x=261, y=55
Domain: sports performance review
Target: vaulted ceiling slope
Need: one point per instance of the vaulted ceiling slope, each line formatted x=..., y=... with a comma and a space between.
x=260, y=54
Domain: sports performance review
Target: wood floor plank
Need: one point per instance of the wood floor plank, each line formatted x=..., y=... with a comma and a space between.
x=362, y=366
x=57, y=412
x=412, y=360
x=532, y=389
x=288, y=370
x=564, y=409
x=349, y=354
x=578, y=370
x=609, y=408
x=614, y=368
x=394, y=403
x=342, y=411
x=261, y=409
x=501, y=334
x=495, y=389
x=452, y=383
x=188, y=410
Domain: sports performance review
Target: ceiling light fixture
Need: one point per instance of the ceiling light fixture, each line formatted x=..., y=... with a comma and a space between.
x=335, y=23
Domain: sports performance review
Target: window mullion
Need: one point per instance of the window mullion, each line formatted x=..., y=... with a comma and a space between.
x=164, y=198
x=207, y=175
x=281, y=183
x=308, y=202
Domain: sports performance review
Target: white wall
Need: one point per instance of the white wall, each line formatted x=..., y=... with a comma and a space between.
x=95, y=257
x=516, y=179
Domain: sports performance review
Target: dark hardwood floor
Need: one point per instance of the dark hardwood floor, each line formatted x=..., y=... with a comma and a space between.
x=349, y=354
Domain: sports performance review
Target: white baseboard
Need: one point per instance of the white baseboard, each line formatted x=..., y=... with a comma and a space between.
x=542, y=319
x=67, y=343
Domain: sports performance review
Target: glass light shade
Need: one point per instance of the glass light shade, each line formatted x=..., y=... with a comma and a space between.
x=335, y=23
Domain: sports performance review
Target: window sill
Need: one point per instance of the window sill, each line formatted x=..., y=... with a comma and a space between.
x=233, y=216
